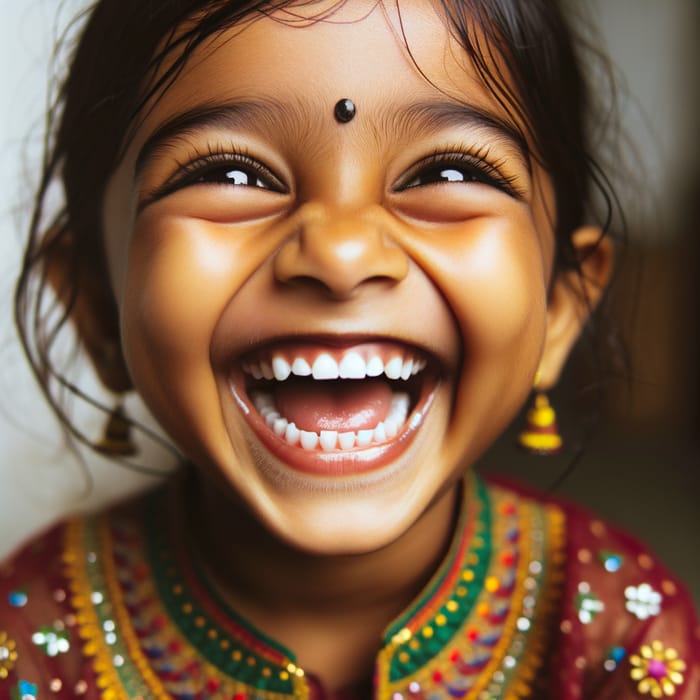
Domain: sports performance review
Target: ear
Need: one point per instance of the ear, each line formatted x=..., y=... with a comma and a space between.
x=573, y=298
x=93, y=310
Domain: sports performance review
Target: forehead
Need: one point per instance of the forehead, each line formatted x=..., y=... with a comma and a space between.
x=385, y=55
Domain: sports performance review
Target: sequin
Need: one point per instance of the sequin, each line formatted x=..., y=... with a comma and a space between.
x=55, y=685
x=643, y=601
x=24, y=690
x=598, y=528
x=585, y=556
x=611, y=561
x=645, y=561
x=587, y=603
x=613, y=658
x=523, y=624
x=8, y=655
x=669, y=587
x=657, y=670
x=535, y=568
x=18, y=599
x=52, y=641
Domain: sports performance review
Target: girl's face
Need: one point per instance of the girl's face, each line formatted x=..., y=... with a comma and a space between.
x=248, y=230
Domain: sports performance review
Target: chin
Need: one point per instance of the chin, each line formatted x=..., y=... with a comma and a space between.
x=347, y=503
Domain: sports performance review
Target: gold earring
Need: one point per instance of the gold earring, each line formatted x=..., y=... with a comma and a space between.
x=116, y=436
x=541, y=435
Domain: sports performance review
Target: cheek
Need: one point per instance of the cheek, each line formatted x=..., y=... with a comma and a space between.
x=503, y=295
x=180, y=277
x=492, y=275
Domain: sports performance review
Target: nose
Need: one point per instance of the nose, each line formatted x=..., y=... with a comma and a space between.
x=340, y=252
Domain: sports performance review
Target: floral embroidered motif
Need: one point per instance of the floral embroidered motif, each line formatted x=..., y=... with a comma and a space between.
x=643, y=601
x=52, y=640
x=657, y=669
x=587, y=603
x=8, y=655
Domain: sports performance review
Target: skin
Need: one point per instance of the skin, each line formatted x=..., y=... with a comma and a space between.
x=348, y=249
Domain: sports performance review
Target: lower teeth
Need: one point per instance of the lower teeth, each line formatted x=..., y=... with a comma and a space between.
x=330, y=440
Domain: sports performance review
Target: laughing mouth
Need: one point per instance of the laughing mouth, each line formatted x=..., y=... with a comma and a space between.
x=329, y=402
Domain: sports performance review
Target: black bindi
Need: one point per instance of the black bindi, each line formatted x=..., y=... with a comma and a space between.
x=344, y=111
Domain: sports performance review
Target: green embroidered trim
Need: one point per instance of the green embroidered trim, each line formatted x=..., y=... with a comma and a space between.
x=231, y=656
x=498, y=649
x=234, y=616
x=454, y=610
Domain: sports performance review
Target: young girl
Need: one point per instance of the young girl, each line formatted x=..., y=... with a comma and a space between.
x=333, y=246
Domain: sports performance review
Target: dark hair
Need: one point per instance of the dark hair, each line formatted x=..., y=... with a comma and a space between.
x=126, y=41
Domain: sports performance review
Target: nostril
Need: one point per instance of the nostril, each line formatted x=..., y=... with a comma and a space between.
x=334, y=290
x=310, y=282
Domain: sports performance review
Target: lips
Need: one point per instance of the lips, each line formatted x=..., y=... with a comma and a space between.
x=328, y=409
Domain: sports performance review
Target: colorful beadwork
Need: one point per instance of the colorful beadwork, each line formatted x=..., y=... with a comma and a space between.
x=657, y=670
x=496, y=647
x=155, y=627
x=8, y=655
x=643, y=601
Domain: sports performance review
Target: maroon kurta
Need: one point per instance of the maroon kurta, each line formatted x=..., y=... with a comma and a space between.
x=534, y=599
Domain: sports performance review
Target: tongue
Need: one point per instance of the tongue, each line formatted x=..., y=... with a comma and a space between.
x=343, y=405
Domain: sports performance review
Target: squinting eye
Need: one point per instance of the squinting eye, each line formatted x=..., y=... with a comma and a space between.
x=239, y=175
x=235, y=176
x=456, y=167
x=435, y=175
x=223, y=169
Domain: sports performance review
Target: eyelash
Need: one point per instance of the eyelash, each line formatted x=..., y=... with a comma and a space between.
x=476, y=167
x=218, y=160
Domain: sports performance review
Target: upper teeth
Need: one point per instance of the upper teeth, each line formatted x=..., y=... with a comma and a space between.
x=351, y=366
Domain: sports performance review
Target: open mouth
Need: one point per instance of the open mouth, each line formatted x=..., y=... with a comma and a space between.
x=327, y=409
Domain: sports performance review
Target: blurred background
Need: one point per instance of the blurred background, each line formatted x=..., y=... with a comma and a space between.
x=637, y=463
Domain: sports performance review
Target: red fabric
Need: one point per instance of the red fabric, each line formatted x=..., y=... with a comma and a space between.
x=576, y=661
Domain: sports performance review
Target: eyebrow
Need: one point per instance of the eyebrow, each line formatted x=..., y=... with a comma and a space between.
x=271, y=115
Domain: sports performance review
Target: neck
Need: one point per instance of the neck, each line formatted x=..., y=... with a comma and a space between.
x=303, y=600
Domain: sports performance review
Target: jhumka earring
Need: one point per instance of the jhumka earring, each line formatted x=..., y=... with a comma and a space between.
x=116, y=437
x=541, y=435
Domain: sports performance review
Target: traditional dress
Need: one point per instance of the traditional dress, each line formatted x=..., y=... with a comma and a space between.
x=534, y=599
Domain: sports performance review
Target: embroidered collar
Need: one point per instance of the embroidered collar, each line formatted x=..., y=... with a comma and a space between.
x=155, y=628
